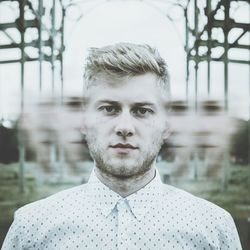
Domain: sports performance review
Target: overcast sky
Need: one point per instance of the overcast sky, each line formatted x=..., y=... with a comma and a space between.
x=106, y=22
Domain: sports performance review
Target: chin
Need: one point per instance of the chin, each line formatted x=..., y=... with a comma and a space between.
x=126, y=169
x=124, y=173
x=123, y=170
x=123, y=167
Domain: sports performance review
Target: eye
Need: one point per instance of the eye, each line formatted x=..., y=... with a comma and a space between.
x=142, y=112
x=109, y=109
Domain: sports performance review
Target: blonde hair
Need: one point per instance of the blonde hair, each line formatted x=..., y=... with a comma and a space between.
x=125, y=60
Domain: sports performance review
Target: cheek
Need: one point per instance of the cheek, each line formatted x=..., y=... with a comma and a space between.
x=155, y=126
x=91, y=121
x=96, y=119
x=151, y=135
x=158, y=134
x=97, y=128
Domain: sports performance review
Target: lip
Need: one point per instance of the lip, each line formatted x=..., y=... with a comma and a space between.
x=123, y=148
x=122, y=145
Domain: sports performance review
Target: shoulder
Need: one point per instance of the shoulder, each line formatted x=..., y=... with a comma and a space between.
x=198, y=216
x=63, y=200
x=191, y=204
x=36, y=220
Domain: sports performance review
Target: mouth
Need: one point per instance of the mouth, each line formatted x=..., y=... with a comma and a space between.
x=121, y=145
x=123, y=148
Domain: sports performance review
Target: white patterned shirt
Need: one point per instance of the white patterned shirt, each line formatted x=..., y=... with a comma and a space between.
x=92, y=216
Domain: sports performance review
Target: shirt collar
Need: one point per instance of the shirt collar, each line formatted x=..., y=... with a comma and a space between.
x=140, y=202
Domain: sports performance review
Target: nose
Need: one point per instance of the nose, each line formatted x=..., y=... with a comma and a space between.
x=124, y=126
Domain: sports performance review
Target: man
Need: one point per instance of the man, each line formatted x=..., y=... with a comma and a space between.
x=124, y=205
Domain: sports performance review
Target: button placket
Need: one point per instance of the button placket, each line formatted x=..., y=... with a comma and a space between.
x=123, y=220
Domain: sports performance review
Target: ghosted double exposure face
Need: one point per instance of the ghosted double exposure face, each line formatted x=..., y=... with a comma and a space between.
x=125, y=124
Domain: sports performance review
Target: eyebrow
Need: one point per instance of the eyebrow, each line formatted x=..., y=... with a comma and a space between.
x=108, y=101
x=134, y=104
x=144, y=104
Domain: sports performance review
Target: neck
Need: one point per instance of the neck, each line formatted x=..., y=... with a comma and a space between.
x=125, y=187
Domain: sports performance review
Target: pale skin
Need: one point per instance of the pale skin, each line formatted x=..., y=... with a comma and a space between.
x=125, y=124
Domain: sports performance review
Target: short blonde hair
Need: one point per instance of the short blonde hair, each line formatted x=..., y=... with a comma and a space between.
x=125, y=60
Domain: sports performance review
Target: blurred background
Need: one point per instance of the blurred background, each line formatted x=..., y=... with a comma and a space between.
x=206, y=43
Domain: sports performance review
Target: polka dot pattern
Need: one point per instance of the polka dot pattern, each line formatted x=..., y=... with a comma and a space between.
x=92, y=216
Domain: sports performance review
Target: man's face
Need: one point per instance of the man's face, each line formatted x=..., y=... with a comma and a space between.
x=125, y=124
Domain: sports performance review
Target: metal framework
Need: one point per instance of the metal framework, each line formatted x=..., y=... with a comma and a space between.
x=49, y=40
x=207, y=31
x=47, y=23
x=202, y=37
x=46, y=18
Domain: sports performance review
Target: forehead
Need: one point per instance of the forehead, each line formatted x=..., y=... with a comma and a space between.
x=142, y=88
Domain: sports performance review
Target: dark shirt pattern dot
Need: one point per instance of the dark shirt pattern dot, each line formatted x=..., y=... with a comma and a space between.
x=92, y=216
